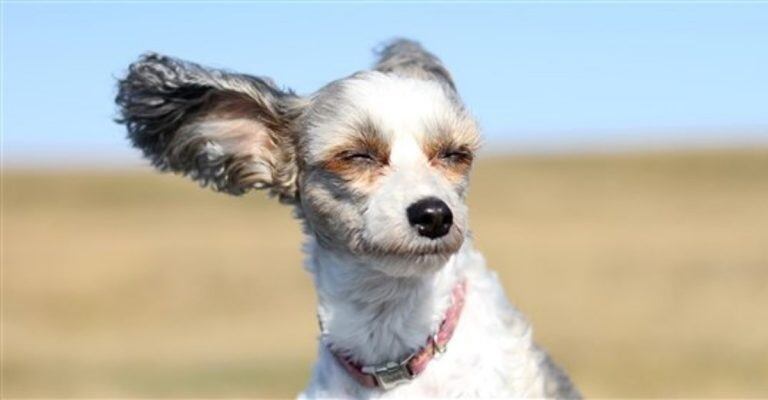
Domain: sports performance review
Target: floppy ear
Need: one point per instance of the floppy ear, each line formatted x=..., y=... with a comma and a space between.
x=230, y=131
x=408, y=58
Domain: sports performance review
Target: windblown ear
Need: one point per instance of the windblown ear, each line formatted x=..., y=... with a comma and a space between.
x=230, y=131
x=408, y=58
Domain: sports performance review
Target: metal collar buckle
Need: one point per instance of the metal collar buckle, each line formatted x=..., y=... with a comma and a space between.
x=390, y=374
x=438, y=348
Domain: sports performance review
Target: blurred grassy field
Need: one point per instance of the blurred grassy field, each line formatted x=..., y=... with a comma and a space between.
x=646, y=275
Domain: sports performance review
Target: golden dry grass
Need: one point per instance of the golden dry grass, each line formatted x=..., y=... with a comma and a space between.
x=645, y=275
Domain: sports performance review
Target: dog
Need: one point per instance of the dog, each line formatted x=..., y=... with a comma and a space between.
x=376, y=166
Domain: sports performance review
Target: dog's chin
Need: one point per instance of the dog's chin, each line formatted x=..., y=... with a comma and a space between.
x=398, y=266
x=414, y=260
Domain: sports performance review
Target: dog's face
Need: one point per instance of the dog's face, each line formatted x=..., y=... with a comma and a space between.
x=385, y=168
x=376, y=164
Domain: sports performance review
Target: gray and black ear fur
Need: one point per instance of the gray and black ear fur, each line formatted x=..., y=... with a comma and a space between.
x=230, y=131
x=405, y=57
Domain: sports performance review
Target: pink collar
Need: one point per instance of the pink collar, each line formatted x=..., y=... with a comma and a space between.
x=393, y=373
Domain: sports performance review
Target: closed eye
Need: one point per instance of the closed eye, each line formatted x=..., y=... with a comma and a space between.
x=357, y=156
x=457, y=156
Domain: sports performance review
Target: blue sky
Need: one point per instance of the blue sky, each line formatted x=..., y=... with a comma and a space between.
x=539, y=76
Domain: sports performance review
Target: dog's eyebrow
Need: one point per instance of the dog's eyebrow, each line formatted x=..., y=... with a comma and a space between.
x=365, y=139
x=459, y=134
x=369, y=133
x=364, y=136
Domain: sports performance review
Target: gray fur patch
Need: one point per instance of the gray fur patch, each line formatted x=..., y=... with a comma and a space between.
x=407, y=58
x=557, y=384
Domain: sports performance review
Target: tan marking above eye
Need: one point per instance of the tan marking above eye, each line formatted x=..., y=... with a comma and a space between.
x=452, y=158
x=458, y=134
x=454, y=162
x=362, y=140
x=359, y=175
x=446, y=149
x=359, y=161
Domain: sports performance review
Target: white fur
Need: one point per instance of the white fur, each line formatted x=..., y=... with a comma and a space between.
x=410, y=178
x=490, y=355
x=400, y=108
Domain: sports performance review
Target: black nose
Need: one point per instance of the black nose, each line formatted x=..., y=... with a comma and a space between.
x=431, y=217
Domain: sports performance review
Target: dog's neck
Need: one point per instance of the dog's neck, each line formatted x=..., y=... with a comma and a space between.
x=372, y=317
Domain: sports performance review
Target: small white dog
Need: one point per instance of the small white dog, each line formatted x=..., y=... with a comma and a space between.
x=376, y=166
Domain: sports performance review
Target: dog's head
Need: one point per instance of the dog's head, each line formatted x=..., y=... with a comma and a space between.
x=376, y=164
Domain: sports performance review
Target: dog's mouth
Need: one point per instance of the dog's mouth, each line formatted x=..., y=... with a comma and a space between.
x=415, y=248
